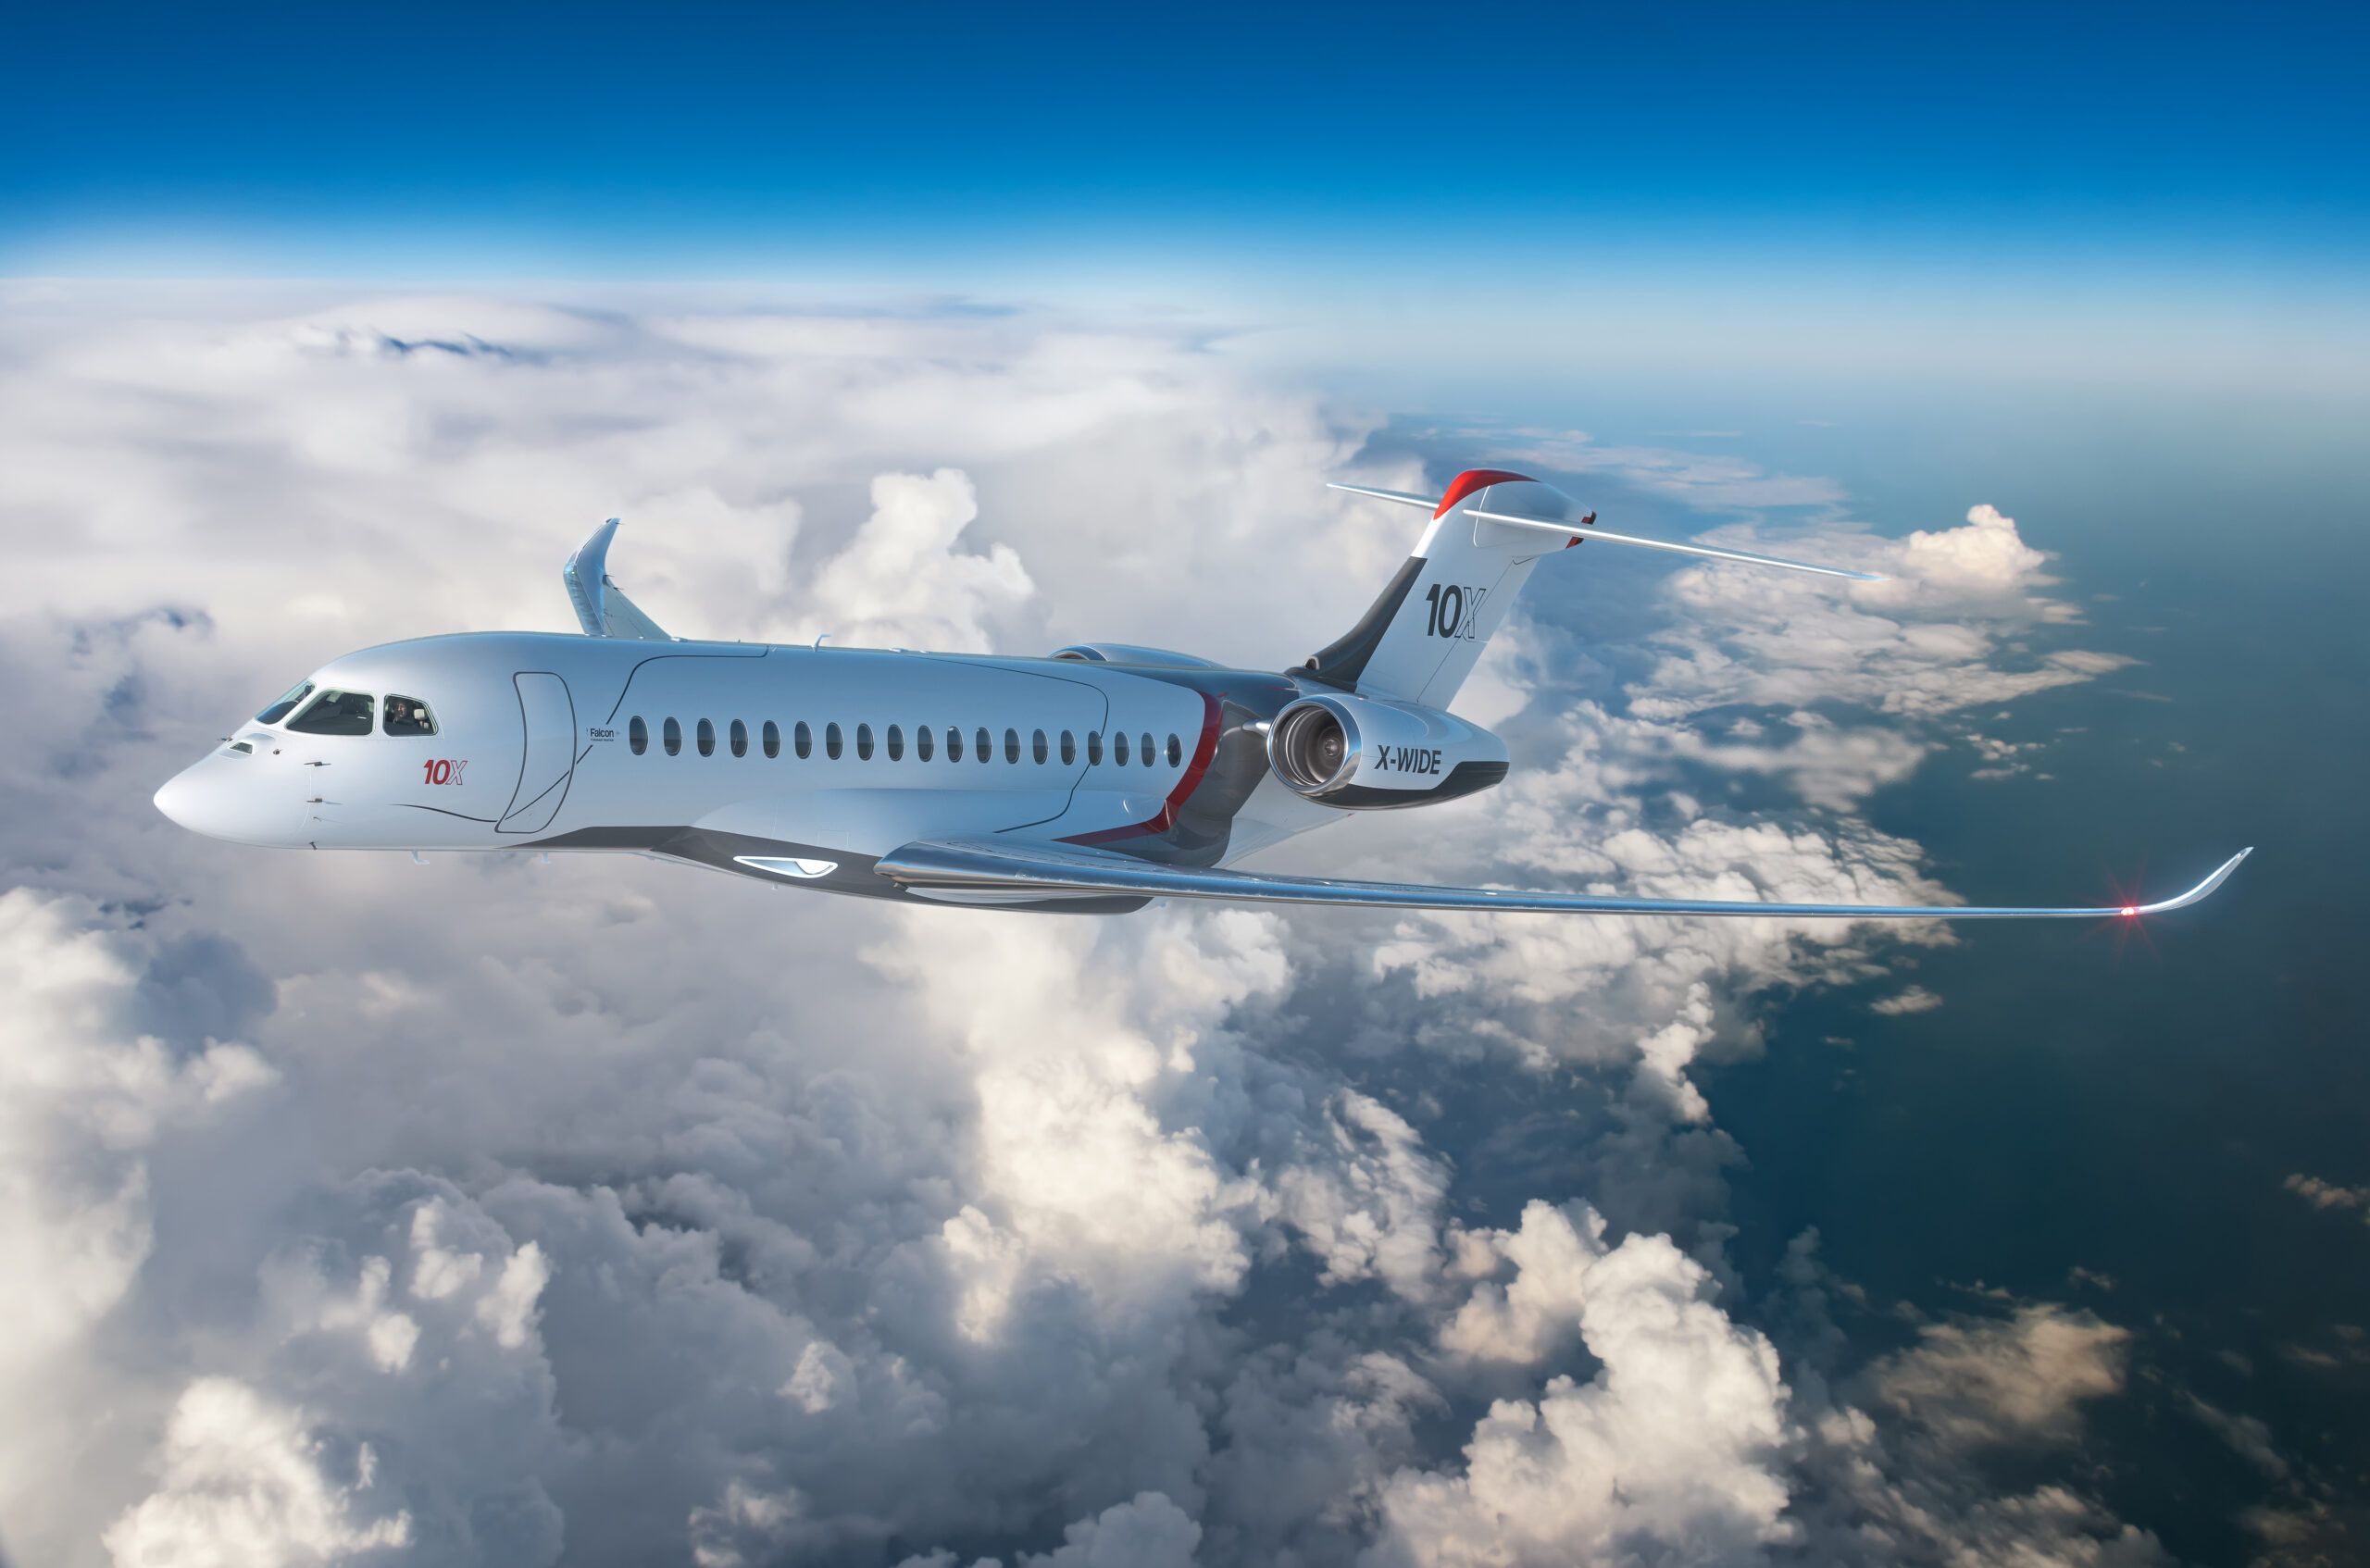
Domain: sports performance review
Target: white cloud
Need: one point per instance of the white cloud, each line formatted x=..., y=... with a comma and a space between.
x=900, y=583
x=1948, y=630
x=86, y=1100
x=2003, y=1380
x=1370, y=1205
x=1669, y=1452
x=1147, y=1531
x=245, y=1485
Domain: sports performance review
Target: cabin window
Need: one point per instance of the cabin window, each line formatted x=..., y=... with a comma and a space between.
x=1036, y=747
x=1149, y=757
x=984, y=745
x=1094, y=748
x=740, y=739
x=770, y=738
x=637, y=735
x=802, y=741
x=404, y=715
x=1119, y=747
x=896, y=745
x=1012, y=745
x=921, y=742
x=670, y=735
x=1176, y=750
x=1069, y=748
x=954, y=744
x=707, y=739
x=335, y=713
x=285, y=703
x=831, y=741
x=864, y=742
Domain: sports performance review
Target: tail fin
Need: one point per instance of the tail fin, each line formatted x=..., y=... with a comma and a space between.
x=1419, y=640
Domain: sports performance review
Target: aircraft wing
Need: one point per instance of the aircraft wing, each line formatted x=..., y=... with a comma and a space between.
x=1003, y=864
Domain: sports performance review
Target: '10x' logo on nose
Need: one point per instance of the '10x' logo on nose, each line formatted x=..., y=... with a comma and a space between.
x=443, y=770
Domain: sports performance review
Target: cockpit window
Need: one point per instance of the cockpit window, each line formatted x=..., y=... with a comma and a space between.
x=285, y=703
x=408, y=716
x=335, y=713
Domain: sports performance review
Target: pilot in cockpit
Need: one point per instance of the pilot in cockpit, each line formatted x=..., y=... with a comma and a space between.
x=408, y=716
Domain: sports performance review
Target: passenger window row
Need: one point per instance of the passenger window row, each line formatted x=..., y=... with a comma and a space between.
x=892, y=743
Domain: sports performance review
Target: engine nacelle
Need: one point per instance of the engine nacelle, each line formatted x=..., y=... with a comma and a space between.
x=1367, y=754
x=1129, y=653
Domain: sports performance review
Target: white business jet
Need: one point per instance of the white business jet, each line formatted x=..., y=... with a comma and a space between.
x=1091, y=781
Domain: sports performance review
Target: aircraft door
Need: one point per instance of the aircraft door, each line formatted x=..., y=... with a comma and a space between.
x=550, y=717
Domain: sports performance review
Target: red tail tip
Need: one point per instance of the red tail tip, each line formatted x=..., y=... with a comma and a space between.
x=1472, y=479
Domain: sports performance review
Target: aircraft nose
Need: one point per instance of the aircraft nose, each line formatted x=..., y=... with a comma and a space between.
x=210, y=798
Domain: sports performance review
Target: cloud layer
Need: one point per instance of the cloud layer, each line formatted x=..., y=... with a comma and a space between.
x=497, y=1211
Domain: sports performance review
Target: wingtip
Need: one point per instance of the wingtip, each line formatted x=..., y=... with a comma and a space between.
x=2220, y=874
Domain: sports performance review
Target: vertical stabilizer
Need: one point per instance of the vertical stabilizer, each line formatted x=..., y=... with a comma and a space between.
x=1420, y=640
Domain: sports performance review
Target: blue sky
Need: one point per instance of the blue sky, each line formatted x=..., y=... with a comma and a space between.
x=2219, y=143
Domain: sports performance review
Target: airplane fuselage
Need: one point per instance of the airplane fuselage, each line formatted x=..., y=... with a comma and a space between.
x=801, y=765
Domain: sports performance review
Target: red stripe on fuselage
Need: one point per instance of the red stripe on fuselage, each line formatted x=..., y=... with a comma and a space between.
x=1472, y=479
x=1203, y=749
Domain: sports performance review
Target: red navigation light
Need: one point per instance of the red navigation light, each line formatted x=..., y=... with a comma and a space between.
x=2131, y=909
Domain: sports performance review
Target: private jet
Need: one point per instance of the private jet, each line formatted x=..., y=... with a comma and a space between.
x=1092, y=781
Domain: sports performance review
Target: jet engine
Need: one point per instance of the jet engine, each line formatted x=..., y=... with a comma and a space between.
x=1367, y=754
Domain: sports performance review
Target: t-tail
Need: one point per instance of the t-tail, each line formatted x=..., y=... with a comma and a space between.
x=1420, y=638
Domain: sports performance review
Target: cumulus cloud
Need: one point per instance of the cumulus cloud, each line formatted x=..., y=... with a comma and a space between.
x=1948, y=630
x=493, y=1210
x=242, y=1482
x=900, y=582
x=1669, y=1452
x=1147, y=1531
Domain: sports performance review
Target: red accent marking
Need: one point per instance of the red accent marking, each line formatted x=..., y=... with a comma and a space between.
x=1472, y=479
x=1203, y=749
x=1587, y=521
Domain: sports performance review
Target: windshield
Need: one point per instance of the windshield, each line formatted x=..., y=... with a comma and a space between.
x=336, y=713
x=284, y=702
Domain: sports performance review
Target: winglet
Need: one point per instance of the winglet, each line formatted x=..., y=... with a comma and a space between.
x=2182, y=901
x=602, y=607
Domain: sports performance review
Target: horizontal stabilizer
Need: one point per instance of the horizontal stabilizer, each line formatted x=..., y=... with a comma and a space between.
x=983, y=864
x=602, y=606
x=1591, y=532
x=1400, y=496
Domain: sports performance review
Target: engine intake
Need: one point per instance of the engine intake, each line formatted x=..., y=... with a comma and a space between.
x=1310, y=746
x=1369, y=754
